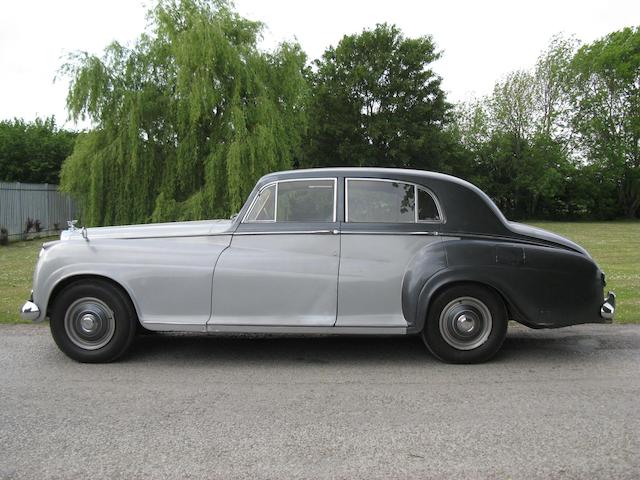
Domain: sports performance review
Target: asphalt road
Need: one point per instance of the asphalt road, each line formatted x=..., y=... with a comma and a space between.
x=553, y=404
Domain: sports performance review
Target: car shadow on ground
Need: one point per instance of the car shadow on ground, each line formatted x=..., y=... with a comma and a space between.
x=521, y=344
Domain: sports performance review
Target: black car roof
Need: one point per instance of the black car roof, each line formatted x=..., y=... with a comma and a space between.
x=372, y=172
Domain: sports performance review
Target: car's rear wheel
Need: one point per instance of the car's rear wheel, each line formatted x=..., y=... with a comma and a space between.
x=93, y=321
x=466, y=323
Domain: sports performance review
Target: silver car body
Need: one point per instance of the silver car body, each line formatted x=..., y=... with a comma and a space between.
x=260, y=281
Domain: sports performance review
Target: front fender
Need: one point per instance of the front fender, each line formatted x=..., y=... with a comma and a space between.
x=168, y=279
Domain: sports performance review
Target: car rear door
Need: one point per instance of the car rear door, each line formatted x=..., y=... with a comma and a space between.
x=387, y=222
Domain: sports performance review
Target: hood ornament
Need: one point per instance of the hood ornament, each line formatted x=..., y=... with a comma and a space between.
x=73, y=228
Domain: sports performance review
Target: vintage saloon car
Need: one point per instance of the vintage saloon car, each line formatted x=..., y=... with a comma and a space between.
x=332, y=251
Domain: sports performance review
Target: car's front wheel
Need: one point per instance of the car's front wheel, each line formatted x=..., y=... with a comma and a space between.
x=92, y=321
x=466, y=323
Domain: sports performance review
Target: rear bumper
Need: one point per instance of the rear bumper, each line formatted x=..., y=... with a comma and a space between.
x=608, y=308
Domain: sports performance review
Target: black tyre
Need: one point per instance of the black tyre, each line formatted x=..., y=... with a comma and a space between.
x=466, y=323
x=93, y=322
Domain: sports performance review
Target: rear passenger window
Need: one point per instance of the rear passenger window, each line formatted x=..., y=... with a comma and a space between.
x=387, y=201
x=380, y=201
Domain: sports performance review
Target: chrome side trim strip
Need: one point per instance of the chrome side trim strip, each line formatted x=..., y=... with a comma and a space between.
x=202, y=235
x=373, y=232
x=174, y=327
x=274, y=329
x=298, y=329
x=291, y=232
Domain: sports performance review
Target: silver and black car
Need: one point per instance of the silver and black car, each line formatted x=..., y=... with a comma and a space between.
x=332, y=251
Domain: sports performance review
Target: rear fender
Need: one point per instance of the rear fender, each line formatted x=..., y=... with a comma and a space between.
x=541, y=286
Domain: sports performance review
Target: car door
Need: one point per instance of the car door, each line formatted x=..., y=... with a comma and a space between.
x=387, y=222
x=281, y=268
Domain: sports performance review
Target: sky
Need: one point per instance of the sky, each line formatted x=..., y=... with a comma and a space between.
x=480, y=41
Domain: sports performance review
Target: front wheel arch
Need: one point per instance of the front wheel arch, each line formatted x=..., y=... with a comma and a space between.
x=65, y=282
x=93, y=321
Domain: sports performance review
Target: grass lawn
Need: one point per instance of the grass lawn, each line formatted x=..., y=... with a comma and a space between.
x=614, y=245
x=16, y=269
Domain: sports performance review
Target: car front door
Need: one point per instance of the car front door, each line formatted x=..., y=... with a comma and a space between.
x=281, y=268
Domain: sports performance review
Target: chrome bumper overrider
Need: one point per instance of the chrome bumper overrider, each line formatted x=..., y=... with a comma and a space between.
x=608, y=308
x=29, y=311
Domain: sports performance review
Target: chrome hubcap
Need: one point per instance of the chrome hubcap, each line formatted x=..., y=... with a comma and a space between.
x=465, y=323
x=89, y=323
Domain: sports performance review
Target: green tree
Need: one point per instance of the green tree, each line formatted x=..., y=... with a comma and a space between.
x=518, y=157
x=605, y=97
x=186, y=120
x=33, y=151
x=550, y=87
x=377, y=102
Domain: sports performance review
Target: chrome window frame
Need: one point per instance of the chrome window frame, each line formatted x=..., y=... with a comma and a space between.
x=275, y=212
x=416, y=187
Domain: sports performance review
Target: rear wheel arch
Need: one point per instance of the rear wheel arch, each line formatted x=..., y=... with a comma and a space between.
x=436, y=286
x=466, y=323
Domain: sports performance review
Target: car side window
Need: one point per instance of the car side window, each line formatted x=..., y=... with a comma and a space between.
x=387, y=201
x=427, y=207
x=295, y=201
x=305, y=201
x=380, y=201
x=264, y=206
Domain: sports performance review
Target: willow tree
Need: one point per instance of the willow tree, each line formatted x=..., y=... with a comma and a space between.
x=185, y=120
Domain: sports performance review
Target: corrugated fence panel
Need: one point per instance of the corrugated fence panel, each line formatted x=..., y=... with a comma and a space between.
x=43, y=202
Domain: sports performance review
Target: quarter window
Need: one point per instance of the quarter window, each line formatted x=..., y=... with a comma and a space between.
x=264, y=206
x=427, y=208
x=386, y=201
x=295, y=201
